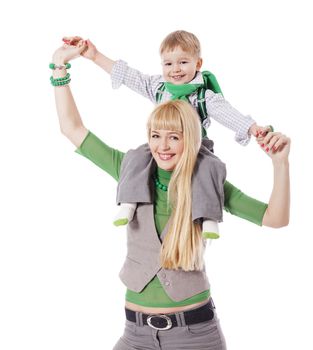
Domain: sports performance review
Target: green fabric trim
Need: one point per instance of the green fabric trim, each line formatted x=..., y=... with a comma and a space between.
x=159, y=93
x=181, y=92
x=210, y=82
x=210, y=235
x=120, y=222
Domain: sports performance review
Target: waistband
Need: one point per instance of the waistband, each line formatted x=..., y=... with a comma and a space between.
x=178, y=319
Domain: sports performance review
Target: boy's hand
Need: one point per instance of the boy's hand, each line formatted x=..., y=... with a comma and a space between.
x=259, y=131
x=90, y=50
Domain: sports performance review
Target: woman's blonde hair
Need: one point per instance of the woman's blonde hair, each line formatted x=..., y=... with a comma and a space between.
x=183, y=243
x=188, y=42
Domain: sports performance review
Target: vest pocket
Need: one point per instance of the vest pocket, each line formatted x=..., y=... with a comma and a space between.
x=131, y=260
x=132, y=275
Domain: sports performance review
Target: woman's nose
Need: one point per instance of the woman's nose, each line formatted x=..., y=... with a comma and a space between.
x=164, y=145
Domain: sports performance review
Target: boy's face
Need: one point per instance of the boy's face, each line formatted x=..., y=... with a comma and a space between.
x=179, y=67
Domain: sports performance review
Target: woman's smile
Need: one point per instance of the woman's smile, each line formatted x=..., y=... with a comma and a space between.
x=166, y=147
x=166, y=156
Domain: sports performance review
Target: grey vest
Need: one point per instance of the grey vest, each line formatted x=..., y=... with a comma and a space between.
x=143, y=260
x=135, y=185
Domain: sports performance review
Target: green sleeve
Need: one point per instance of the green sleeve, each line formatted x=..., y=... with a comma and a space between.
x=105, y=157
x=110, y=159
x=239, y=204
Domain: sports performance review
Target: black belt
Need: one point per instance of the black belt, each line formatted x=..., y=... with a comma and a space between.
x=167, y=321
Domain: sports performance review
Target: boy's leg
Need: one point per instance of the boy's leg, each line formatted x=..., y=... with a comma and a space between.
x=208, y=190
x=134, y=183
x=125, y=214
x=210, y=229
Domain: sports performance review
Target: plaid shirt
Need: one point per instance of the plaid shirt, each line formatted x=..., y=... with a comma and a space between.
x=217, y=107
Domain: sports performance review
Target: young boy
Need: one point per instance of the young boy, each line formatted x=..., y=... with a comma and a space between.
x=181, y=79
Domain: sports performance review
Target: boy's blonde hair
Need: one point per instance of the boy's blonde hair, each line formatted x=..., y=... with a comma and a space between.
x=186, y=41
x=183, y=244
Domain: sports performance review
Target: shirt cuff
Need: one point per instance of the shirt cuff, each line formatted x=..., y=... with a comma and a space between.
x=242, y=136
x=117, y=74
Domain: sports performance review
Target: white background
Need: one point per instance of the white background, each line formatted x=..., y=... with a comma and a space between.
x=59, y=253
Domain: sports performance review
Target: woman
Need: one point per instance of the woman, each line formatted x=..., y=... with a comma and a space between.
x=168, y=303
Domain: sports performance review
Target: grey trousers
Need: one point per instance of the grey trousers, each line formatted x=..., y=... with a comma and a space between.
x=201, y=336
x=135, y=185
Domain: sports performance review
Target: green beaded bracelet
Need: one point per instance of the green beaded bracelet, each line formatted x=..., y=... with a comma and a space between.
x=61, y=78
x=60, y=81
x=62, y=66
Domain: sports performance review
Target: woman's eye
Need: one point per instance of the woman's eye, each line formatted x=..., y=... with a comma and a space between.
x=155, y=136
x=174, y=138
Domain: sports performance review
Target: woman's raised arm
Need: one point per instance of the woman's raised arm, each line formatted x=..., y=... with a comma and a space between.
x=71, y=124
x=277, y=146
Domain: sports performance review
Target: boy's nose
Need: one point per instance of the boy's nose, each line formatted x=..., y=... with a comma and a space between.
x=177, y=68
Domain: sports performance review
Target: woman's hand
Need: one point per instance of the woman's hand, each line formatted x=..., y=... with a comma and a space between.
x=276, y=145
x=68, y=52
x=90, y=51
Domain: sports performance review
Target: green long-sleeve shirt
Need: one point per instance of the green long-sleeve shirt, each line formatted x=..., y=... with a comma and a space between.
x=235, y=202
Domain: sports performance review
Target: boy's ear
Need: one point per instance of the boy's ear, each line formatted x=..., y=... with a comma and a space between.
x=199, y=63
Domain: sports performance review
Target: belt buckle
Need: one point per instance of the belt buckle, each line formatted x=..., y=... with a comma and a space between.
x=166, y=318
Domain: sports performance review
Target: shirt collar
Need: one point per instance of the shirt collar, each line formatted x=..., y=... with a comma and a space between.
x=163, y=174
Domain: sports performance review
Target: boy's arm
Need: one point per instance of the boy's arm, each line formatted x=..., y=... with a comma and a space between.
x=92, y=53
x=97, y=57
x=143, y=84
x=103, y=61
x=224, y=113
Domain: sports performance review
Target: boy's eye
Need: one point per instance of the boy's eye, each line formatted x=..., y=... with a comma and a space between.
x=184, y=62
x=167, y=64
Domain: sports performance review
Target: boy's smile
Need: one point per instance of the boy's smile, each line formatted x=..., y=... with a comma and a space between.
x=179, y=67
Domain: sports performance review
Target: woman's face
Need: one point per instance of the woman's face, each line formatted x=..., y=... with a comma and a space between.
x=166, y=147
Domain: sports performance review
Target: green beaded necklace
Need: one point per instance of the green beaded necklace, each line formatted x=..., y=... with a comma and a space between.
x=159, y=185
